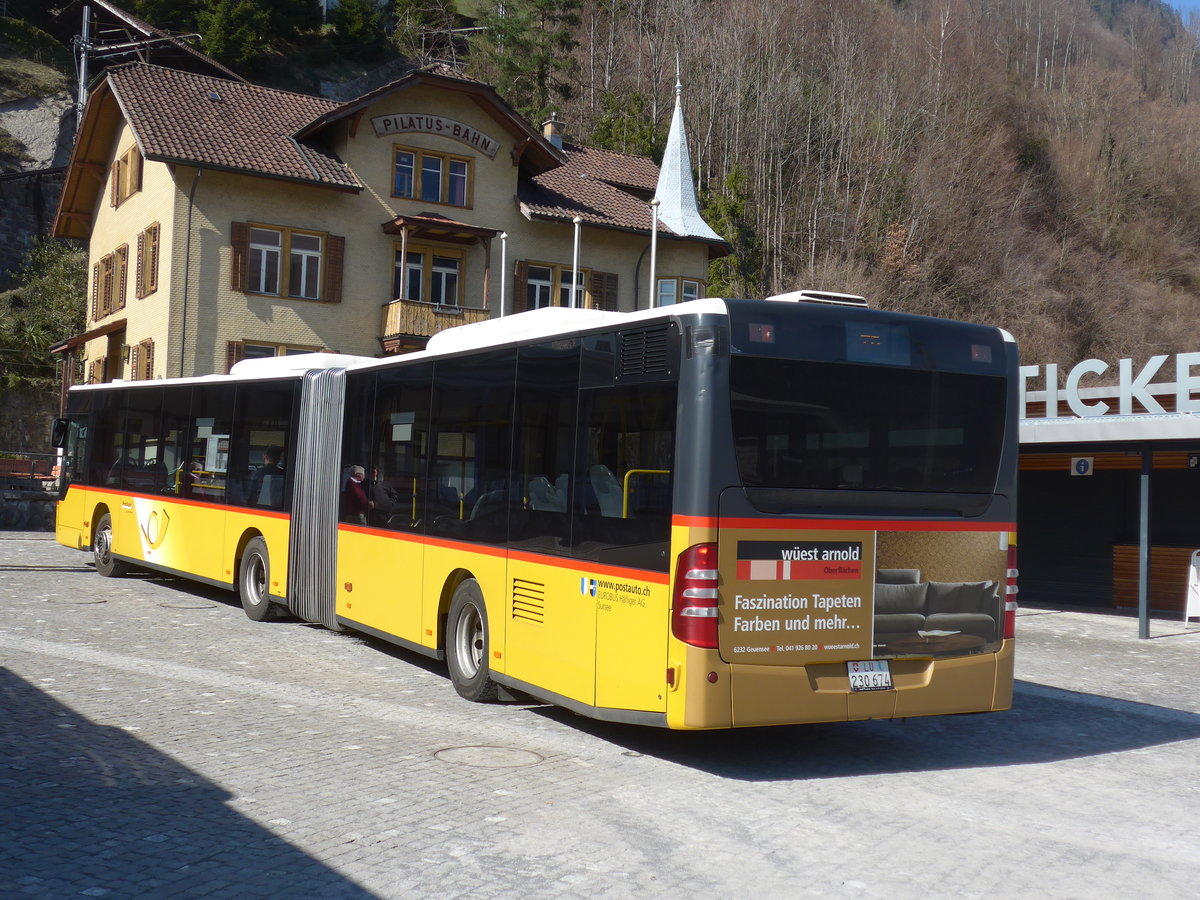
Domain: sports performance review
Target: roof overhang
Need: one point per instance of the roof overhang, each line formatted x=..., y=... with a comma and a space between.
x=438, y=228
x=1110, y=430
x=79, y=340
x=88, y=168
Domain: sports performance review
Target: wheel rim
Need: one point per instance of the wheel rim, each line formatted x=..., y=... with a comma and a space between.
x=468, y=641
x=103, y=545
x=255, y=580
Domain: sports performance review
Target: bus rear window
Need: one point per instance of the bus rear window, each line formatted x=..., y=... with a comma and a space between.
x=824, y=426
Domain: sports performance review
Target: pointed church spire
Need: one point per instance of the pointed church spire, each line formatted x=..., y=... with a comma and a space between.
x=680, y=210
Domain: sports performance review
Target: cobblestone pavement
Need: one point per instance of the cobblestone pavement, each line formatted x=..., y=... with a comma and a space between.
x=154, y=742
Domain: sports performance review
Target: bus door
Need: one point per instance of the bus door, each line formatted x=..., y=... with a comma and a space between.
x=381, y=560
x=551, y=611
x=622, y=527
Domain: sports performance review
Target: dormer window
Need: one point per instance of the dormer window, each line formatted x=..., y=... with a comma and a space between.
x=431, y=177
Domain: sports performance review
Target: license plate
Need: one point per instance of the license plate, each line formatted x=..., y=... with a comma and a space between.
x=870, y=675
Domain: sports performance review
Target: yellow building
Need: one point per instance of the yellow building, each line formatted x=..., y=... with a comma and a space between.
x=227, y=220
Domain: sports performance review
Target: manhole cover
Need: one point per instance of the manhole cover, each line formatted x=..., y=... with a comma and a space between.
x=77, y=601
x=489, y=757
x=184, y=604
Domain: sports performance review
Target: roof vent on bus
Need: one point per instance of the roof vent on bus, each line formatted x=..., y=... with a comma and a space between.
x=821, y=297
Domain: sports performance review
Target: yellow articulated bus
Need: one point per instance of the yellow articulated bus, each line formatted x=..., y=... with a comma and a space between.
x=718, y=514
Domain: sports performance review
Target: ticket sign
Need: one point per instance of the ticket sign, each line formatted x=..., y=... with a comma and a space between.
x=793, y=602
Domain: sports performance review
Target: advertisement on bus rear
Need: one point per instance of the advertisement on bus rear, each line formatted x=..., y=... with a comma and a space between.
x=826, y=596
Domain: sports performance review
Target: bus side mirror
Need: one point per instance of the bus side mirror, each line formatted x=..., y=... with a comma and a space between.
x=58, y=434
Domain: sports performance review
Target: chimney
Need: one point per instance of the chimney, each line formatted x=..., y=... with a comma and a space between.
x=552, y=130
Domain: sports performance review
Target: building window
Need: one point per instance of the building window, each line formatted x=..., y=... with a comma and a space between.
x=432, y=177
x=547, y=284
x=146, y=277
x=304, y=269
x=110, y=276
x=540, y=287
x=120, y=276
x=142, y=363
x=236, y=351
x=265, y=244
x=287, y=262
x=678, y=290
x=126, y=176
x=428, y=275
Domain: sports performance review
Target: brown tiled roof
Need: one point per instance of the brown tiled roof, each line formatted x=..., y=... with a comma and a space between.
x=620, y=169
x=205, y=121
x=567, y=192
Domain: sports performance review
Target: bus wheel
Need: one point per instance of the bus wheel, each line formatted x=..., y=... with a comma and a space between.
x=254, y=574
x=106, y=564
x=467, y=643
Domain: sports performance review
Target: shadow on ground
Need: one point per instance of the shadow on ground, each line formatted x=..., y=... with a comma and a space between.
x=1046, y=724
x=89, y=810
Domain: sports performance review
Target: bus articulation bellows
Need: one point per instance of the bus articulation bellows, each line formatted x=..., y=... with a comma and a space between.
x=719, y=514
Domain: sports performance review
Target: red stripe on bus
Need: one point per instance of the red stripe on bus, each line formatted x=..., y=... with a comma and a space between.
x=558, y=562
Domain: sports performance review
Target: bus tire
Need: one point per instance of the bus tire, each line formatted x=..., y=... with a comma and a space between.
x=254, y=578
x=467, y=644
x=106, y=564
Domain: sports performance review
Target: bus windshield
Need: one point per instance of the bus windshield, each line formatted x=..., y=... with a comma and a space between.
x=824, y=426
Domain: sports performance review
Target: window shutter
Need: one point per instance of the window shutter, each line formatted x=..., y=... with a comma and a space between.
x=334, y=264
x=135, y=177
x=134, y=353
x=148, y=360
x=115, y=194
x=603, y=289
x=235, y=351
x=521, y=286
x=139, y=273
x=95, y=291
x=240, y=257
x=152, y=238
x=122, y=275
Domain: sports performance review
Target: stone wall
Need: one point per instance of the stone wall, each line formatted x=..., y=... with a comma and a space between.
x=25, y=420
x=27, y=204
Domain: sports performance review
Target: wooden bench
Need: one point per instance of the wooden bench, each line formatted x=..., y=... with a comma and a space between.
x=1169, y=571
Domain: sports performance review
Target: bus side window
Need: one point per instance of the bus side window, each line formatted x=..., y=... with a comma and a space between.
x=544, y=445
x=400, y=417
x=108, y=444
x=624, y=462
x=471, y=438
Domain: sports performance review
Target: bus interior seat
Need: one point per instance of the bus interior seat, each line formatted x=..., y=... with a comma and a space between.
x=543, y=496
x=607, y=489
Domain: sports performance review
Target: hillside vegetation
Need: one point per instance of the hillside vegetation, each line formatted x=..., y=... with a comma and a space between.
x=1029, y=163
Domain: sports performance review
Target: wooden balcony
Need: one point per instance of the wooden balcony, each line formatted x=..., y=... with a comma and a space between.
x=404, y=320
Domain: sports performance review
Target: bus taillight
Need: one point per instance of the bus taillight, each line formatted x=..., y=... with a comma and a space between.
x=1010, y=595
x=694, y=617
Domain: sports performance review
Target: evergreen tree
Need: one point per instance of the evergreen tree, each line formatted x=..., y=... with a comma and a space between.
x=177, y=16
x=234, y=31
x=525, y=51
x=360, y=27
x=738, y=274
x=624, y=125
x=237, y=31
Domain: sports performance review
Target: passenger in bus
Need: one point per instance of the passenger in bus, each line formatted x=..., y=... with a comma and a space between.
x=382, y=503
x=266, y=484
x=189, y=479
x=355, y=502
